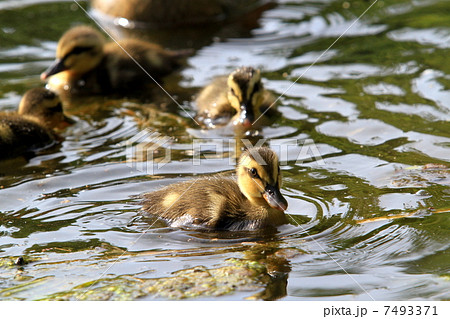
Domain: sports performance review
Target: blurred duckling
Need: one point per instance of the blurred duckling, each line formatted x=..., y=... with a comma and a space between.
x=175, y=13
x=86, y=64
x=32, y=127
x=253, y=202
x=239, y=98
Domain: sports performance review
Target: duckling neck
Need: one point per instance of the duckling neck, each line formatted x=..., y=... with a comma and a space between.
x=260, y=210
x=258, y=201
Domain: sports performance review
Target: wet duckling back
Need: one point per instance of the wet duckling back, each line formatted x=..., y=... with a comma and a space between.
x=253, y=202
x=175, y=13
x=32, y=126
x=86, y=64
x=239, y=98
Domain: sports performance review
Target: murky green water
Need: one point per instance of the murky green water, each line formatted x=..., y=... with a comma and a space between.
x=370, y=216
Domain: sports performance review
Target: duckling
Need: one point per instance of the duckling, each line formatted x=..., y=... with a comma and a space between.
x=251, y=203
x=86, y=64
x=175, y=13
x=239, y=98
x=40, y=111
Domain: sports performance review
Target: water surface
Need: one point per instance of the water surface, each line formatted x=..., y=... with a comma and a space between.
x=364, y=138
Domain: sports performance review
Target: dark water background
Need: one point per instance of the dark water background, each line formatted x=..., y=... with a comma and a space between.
x=370, y=215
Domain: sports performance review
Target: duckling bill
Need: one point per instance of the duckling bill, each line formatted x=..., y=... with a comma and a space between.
x=86, y=64
x=32, y=127
x=239, y=98
x=253, y=202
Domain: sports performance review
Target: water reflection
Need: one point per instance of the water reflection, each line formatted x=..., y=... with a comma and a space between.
x=363, y=137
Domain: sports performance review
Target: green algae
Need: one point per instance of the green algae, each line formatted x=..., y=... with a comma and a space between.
x=199, y=281
x=11, y=291
x=6, y=262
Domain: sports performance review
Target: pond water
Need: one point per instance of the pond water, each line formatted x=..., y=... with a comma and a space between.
x=364, y=139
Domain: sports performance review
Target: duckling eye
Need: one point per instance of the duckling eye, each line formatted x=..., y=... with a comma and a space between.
x=79, y=50
x=253, y=172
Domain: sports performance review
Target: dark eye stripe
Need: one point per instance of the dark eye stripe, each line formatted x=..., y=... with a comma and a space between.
x=78, y=50
x=55, y=109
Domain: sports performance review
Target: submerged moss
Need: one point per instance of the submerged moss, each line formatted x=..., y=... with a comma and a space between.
x=239, y=275
x=6, y=262
x=11, y=291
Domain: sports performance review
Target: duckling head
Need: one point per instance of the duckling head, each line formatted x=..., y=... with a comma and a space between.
x=259, y=178
x=79, y=50
x=245, y=94
x=45, y=106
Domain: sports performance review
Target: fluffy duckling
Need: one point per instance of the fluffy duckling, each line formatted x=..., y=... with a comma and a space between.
x=175, y=13
x=86, y=64
x=253, y=202
x=239, y=98
x=40, y=111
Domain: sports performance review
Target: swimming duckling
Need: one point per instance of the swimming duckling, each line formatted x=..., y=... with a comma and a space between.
x=253, y=202
x=174, y=13
x=40, y=111
x=239, y=98
x=86, y=64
